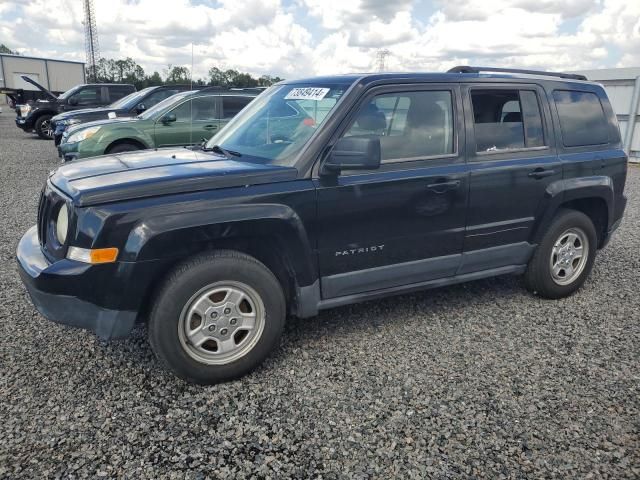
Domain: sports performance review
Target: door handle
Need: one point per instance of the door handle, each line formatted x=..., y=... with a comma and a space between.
x=210, y=127
x=441, y=187
x=541, y=173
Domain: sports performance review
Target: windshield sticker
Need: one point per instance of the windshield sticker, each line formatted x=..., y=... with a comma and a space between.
x=111, y=114
x=307, y=93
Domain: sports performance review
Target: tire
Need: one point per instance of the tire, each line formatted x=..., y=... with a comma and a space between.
x=570, y=228
x=123, y=147
x=43, y=127
x=197, y=287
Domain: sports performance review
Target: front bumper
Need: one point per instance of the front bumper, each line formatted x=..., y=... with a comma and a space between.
x=68, y=152
x=54, y=289
x=23, y=124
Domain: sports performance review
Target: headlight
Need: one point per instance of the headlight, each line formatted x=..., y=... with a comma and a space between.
x=24, y=110
x=83, y=134
x=62, y=224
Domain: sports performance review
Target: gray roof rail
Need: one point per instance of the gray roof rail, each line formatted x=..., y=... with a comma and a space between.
x=468, y=69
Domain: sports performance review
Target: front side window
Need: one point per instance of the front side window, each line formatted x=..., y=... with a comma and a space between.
x=506, y=120
x=275, y=126
x=205, y=108
x=410, y=124
x=582, y=118
x=88, y=96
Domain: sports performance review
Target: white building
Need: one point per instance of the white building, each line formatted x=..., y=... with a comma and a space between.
x=623, y=88
x=54, y=75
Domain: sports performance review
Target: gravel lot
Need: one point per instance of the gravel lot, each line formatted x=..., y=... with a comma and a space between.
x=480, y=380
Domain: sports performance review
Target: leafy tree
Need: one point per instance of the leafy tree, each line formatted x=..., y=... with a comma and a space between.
x=153, y=80
x=5, y=49
x=177, y=75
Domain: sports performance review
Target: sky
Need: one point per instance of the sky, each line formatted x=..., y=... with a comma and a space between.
x=300, y=38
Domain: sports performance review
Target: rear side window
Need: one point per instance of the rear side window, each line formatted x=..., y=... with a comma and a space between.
x=506, y=120
x=231, y=106
x=582, y=118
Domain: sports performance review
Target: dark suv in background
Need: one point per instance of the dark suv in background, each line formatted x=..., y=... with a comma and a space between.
x=36, y=116
x=325, y=192
x=129, y=106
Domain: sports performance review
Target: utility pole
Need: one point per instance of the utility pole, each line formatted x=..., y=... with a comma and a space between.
x=381, y=56
x=92, y=48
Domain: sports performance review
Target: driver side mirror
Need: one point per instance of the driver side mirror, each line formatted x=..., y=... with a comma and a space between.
x=354, y=153
x=140, y=108
x=168, y=118
x=73, y=101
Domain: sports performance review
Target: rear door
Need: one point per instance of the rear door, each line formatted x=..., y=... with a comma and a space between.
x=231, y=106
x=403, y=223
x=512, y=158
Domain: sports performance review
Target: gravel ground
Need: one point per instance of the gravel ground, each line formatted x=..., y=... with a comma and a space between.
x=480, y=380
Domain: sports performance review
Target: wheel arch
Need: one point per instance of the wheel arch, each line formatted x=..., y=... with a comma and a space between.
x=120, y=141
x=593, y=196
x=278, y=240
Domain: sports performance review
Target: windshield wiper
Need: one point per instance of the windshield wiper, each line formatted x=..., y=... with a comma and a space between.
x=224, y=151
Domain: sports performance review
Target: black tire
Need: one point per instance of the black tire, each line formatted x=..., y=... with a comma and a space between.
x=189, y=279
x=123, y=147
x=43, y=127
x=539, y=278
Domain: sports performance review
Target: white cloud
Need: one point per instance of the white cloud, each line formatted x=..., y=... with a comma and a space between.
x=307, y=37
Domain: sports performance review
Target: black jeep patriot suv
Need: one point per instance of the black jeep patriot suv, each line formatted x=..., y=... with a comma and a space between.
x=324, y=192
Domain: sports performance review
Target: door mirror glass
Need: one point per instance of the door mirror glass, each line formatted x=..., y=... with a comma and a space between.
x=354, y=153
x=73, y=101
x=168, y=118
x=141, y=107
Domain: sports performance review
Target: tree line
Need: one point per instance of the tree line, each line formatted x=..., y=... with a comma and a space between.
x=128, y=71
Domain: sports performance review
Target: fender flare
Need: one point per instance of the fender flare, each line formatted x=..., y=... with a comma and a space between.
x=563, y=191
x=180, y=234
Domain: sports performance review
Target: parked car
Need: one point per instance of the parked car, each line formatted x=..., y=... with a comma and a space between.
x=185, y=118
x=130, y=106
x=36, y=116
x=325, y=192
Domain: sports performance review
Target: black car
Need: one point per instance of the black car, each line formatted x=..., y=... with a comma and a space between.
x=325, y=192
x=133, y=104
x=36, y=116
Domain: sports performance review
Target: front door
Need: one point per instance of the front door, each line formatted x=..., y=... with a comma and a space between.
x=196, y=120
x=512, y=161
x=403, y=223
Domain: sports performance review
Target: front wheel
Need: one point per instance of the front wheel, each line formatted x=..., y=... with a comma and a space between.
x=217, y=317
x=43, y=127
x=563, y=260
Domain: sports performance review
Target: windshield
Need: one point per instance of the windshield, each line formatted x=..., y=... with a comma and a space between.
x=277, y=124
x=69, y=92
x=130, y=100
x=161, y=106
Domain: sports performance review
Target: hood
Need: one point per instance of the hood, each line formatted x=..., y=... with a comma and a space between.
x=147, y=173
x=97, y=123
x=39, y=87
x=76, y=113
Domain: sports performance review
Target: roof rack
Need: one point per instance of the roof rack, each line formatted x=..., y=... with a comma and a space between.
x=468, y=69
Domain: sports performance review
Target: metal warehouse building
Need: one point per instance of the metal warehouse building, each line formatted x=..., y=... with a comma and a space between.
x=623, y=88
x=55, y=75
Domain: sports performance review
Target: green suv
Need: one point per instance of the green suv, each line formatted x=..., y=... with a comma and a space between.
x=186, y=118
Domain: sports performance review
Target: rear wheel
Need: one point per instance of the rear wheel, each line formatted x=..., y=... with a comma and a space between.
x=217, y=317
x=43, y=127
x=124, y=147
x=563, y=260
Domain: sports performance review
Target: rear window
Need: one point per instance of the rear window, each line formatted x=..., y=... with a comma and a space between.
x=582, y=118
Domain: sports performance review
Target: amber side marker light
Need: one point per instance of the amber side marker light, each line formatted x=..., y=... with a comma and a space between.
x=93, y=256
